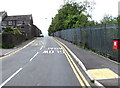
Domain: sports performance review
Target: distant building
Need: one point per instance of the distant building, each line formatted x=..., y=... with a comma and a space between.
x=22, y=22
x=36, y=31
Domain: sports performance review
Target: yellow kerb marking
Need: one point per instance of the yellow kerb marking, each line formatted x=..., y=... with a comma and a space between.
x=17, y=50
x=75, y=69
x=104, y=73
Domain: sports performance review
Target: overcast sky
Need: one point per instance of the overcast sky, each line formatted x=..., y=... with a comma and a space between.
x=43, y=10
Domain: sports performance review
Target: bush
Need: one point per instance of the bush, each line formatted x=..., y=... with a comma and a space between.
x=7, y=46
x=9, y=30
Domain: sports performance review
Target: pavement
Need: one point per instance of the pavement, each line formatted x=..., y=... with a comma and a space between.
x=4, y=52
x=102, y=69
x=52, y=61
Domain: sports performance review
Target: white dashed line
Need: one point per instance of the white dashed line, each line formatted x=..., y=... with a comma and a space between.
x=41, y=47
x=10, y=77
x=34, y=56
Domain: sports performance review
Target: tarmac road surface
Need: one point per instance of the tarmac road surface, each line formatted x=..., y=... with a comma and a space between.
x=42, y=62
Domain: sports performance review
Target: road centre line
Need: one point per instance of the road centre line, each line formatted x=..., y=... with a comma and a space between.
x=74, y=66
x=41, y=47
x=34, y=56
x=10, y=77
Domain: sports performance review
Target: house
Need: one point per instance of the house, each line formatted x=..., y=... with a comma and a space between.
x=3, y=14
x=36, y=31
x=22, y=22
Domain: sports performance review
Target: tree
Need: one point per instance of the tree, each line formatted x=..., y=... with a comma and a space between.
x=70, y=15
x=108, y=19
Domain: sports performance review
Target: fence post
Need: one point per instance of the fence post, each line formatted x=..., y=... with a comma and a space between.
x=105, y=38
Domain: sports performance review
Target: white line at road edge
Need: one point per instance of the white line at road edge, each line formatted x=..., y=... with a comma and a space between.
x=41, y=47
x=34, y=56
x=10, y=77
x=82, y=65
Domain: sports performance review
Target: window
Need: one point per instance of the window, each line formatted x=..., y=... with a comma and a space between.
x=22, y=26
x=19, y=23
x=14, y=23
x=4, y=23
x=9, y=22
x=23, y=22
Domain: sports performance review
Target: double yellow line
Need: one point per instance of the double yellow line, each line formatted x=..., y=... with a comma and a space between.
x=75, y=68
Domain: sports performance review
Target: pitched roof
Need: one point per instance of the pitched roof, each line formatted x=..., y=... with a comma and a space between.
x=1, y=13
x=19, y=17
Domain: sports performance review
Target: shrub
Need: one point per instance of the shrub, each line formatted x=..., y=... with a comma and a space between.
x=9, y=30
x=7, y=46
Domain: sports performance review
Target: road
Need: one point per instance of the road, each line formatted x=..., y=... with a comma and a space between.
x=43, y=62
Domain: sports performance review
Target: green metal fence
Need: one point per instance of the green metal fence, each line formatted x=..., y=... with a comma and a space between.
x=97, y=38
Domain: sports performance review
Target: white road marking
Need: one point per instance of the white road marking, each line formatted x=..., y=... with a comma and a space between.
x=10, y=77
x=52, y=51
x=41, y=47
x=60, y=51
x=34, y=56
x=45, y=52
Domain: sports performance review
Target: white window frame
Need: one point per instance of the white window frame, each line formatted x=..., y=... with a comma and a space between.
x=10, y=22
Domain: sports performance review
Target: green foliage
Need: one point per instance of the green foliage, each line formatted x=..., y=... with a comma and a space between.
x=75, y=21
x=71, y=15
x=6, y=45
x=9, y=30
x=107, y=19
x=118, y=19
